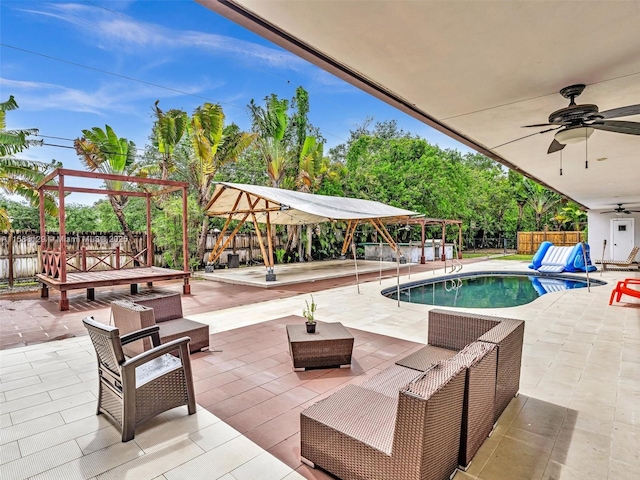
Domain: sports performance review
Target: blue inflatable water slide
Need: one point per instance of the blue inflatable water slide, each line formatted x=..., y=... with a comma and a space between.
x=552, y=259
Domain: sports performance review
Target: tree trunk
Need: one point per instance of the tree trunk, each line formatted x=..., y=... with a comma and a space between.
x=520, y=214
x=309, y=241
x=202, y=240
x=117, y=209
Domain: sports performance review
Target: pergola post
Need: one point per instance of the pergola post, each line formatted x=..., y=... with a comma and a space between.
x=459, y=241
x=149, y=240
x=443, y=255
x=64, y=301
x=348, y=237
x=186, y=288
x=44, y=289
x=423, y=259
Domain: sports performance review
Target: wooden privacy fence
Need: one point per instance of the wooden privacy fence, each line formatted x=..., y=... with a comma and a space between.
x=101, y=251
x=529, y=242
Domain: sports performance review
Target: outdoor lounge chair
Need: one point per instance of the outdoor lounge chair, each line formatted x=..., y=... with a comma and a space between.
x=413, y=434
x=628, y=264
x=133, y=390
x=165, y=311
x=622, y=288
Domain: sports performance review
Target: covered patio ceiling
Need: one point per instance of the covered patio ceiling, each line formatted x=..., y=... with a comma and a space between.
x=479, y=71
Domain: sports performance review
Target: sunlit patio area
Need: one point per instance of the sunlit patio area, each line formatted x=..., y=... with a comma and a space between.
x=576, y=415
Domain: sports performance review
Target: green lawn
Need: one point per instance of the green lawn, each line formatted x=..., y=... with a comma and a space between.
x=522, y=258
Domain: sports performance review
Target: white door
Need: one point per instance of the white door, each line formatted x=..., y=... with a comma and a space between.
x=622, y=240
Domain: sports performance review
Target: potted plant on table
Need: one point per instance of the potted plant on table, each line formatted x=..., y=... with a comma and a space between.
x=309, y=313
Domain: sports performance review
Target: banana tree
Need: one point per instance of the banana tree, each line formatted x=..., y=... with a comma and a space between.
x=17, y=175
x=539, y=199
x=102, y=151
x=214, y=145
x=168, y=130
x=270, y=124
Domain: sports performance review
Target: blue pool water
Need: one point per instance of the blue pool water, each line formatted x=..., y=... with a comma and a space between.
x=486, y=289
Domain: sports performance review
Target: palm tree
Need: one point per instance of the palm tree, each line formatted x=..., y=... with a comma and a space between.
x=17, y=175
x=214, y=145
x=539, y=199
x=102, y=151
x=270, y=124
x=168, y=130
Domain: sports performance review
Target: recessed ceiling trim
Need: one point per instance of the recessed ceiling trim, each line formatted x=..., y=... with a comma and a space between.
x=248, y=19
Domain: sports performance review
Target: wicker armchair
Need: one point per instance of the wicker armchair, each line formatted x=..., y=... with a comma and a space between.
x=131, y=391
x=164, y=311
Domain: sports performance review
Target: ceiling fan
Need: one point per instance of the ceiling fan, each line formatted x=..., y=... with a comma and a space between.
x=576, y=123
x=621, y=209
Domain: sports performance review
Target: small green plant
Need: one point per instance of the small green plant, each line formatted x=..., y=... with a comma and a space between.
x=309, y=311
x=280, y=255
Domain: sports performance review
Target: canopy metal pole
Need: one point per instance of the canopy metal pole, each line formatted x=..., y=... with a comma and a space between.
x=586, y=267
x=380, y=275
x=410, y=259
x=398, y=277
x=355, y=263
x=604, y=248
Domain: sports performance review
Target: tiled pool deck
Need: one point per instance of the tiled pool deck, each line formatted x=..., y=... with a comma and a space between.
x=577, y=415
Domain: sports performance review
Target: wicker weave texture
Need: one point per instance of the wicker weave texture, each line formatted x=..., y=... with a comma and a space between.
x=166, y=306
x=330, y=346
x=165, y=383
x=129, y=316
x=456, y=330
x=348, y=433
x=480, y=359
x=423, y=359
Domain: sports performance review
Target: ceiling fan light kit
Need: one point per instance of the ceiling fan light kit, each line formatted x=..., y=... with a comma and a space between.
x=573, y=135
x=575, y=123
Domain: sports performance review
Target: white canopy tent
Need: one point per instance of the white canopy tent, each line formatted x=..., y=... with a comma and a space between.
x=275, y=206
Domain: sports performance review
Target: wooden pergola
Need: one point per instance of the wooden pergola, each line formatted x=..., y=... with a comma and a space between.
x=54, y=261
x=423, y=222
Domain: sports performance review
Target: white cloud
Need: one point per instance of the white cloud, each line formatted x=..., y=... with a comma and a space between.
x=110, y=97
x=127, y=34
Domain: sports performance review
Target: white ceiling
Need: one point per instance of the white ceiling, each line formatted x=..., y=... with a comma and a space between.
x=478, y=71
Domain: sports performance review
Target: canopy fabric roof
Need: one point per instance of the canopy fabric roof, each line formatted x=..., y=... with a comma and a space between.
x=287, y=207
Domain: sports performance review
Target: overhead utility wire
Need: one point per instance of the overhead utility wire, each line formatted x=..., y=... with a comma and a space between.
x=50, y=57
x=71, y=140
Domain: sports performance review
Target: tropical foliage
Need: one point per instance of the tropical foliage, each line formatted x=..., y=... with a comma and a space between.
x=18, y=176
x=378, y=161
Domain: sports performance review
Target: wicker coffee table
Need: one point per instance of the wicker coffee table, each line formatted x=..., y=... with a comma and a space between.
x=330, y=346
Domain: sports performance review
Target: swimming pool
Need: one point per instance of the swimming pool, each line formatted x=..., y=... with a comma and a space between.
x=486, y=289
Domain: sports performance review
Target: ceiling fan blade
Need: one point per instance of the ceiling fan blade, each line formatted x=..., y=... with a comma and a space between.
x=621, y=112
x=630, y=128
x=555, y=146
x=609, y=211
x=537, y=125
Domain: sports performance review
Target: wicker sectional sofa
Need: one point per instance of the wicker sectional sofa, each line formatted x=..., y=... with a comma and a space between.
x=164, y=310
x=424, y=416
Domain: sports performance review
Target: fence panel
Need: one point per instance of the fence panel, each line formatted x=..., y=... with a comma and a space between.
x=19, y=250
x=529, y=242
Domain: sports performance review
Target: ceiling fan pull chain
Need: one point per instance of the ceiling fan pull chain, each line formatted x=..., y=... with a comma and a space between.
x=586, y=150
x=560, y=162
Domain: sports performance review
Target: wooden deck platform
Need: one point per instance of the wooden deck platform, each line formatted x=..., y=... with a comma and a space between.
x=107, y=278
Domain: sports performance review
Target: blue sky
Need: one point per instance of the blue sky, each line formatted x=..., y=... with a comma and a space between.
x=177, y=44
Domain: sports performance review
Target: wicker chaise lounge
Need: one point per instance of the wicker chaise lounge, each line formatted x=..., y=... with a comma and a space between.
x=163, y=311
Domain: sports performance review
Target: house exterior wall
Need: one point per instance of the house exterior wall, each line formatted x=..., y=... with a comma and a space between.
x=600, y=229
